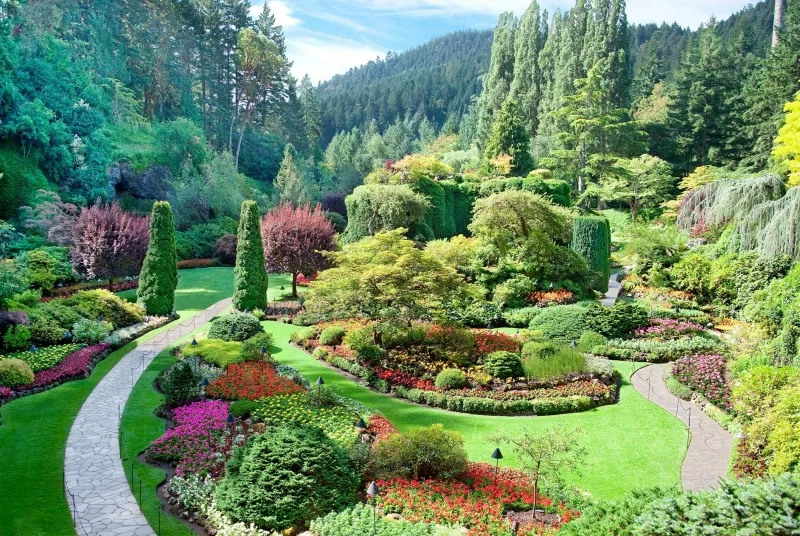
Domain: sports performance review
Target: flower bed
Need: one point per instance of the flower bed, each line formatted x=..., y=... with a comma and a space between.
x=45, y=358
x=543, y=298
x=66, y=292
x=706, y=375
x=477, y=500
x=380, y=428
x=278, y=310
x=251, y=380
x=198, y=263
x=337, y=422
x=667, y=328
x=657, y=351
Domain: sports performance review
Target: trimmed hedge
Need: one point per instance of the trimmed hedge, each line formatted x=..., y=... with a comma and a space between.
x=591, y=239
x=487, y=406
x=159, y=276
x=250, y=274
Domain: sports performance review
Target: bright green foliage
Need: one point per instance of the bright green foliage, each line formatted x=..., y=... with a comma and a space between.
x=216, y=352
x=93, y=304
x=251, y=348
x=375, y=208
x=591, y=239
x=451, y=379
x=17, y=337
x=510, y=137
x=159, y=277
x=590, y=339
x=332, y=336
x=180, y=384
x=431, y=452
x=503, y=365
x=265, y=485
x=759, y=389
x=179, y=141
x=613, y=518
x=616, y=321
x=291, y=180
x=644, y=182
x=250, y=274
x=15, y=373
x=235, y=326
x=360, y=519
x=497, y=82
x=542, y=363
x=90, y=331
x=563, y=323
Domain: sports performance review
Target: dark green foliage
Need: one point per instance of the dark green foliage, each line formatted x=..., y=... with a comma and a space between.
x=362, y=342
x=332, y=336
x=199, y=241
x=562, y=323
x=451, y=379
x=250, y=274
x=558, y=191
x=19, y=182
x=241, y=409
x=373, y=207
x=15, y=373
x=45, y=331
x=591, y=239
x=422, y=453
x=613, y=518
x=180, y=384
x=510, y=137
x=617, y=321
x=235, y=326
x=286, y=476
x=251, y=348
x=503, y=365
x=159, y=277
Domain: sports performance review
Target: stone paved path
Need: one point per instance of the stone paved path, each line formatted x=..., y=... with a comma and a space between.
x=97, y=490
x=710, y=445
x=614, y=288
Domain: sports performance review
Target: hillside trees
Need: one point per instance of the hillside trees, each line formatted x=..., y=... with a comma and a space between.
x=497, y=82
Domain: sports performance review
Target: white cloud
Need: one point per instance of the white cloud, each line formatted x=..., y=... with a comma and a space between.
x=323, y=56
x=281, y=10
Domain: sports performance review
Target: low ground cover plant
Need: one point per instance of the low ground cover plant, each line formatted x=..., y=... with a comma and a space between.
x=336, y=421
x=215, y=352
x=44, y=358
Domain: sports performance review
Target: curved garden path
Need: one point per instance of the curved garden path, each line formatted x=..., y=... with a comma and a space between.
x=95, y=484
x=710, y=445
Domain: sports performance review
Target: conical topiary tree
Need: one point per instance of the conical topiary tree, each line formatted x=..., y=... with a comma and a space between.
x=250, y=275
x=591, y=239
x=159, y=276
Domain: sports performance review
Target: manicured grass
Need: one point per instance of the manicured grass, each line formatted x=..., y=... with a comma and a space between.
x=140, y=426
x=34, y=429
x=632, y=444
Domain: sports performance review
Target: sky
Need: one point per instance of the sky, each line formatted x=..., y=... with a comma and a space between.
x=327, y=37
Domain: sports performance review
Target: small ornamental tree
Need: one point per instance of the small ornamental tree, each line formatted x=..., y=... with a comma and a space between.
x=293, y=239
x=250, y=275
x=591, y=239
x=159, y=277
x=108, y=243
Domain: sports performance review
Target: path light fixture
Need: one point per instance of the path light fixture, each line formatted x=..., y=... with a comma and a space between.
x=372, y=492
x=67, y=334
x=497, y=456
x=552, y=285
x=204, y=383
x=572, y=346
x=194, y=342
x=320, y=383
x=489, y=325
x=361, y=425
x=231, y=419
x=100, y=318
x=262, y=351
x=741, y=435
x=282, y=287
x=60, y=285
x=32, y=349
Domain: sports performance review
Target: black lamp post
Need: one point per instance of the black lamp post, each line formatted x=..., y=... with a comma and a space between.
x=67, y=335
x=572, y=346
x=100, y=318
x=372, y=492
x=230, y=419
x=552, y=286
x=320, y=383
x=204, y=383
x=262, y=351
x=32, y=348
x=233, y=329
x=194, y=342
x=497, y=456
x=361, y=425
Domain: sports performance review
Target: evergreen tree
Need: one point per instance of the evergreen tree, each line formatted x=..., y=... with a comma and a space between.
x=250, y=281
x=787, y=144
x=159, y=277
x=310, y=112
x=591, y=239
x=509, y=136
x=526, y=87
x=497, y=82
x=291, y=181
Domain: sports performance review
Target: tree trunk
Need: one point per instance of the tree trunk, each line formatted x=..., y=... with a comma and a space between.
x=294, y=285
x=777, y=22
x=535, y=493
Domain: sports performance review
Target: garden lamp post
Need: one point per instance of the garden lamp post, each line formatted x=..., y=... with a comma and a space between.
x=320, y=383
x=262, y=351
x=497, y=456
x=572, y=346
x=204, y=383
x=194, y=342
x=100, y=318
x=372, y=492
x=552, y=285
x=231, y=419
x=741, y=435
x=361, y=425
x=32, y=349
x=67, y=335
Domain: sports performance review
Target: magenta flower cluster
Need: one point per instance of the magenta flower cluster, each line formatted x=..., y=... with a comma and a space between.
x=706, y=375
x=75, y=364
x=667, y=328
x=194, y=440
x=5, y=392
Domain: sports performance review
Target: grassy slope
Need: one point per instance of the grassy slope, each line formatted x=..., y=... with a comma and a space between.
x=632, y=444
x=140, y=427
x=34, y=429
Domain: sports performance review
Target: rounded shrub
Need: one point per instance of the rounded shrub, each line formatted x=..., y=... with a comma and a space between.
x=235, y=327
x=451, y=379
x=15, y=373
x=90, y=331
x=45, y=331
x=17, y=337
x=422, y=453
x=562, y=323
x=503, y=365
x=241, y=409
x=321, y=353
x=265, y=484
x=180, y=384
x=590, y=339
x=539, y=350
x=332, y=336
x=299, y=337
x=159, y=276
x=617, y=321
x=251, y=348
x=361, y=341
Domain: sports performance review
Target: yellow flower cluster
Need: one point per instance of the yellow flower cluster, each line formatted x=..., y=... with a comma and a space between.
x=336, y=422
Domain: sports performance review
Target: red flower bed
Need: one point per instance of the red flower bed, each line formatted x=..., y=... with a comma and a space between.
x=303, y=281
x=75, y=364
x=477, y=500
x=381, y=428
x=406, y=379
x=543, y=298
x=5, y=392
x=251, y=380
x=487, y=342
x=197, y=263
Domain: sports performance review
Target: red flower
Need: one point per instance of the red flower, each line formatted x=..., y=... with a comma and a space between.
x=251, y=380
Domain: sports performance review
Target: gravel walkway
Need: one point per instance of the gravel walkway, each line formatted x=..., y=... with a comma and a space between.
x=710, y=445
x=97, y=491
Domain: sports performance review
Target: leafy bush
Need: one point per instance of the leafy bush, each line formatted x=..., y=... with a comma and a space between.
x=759, y=389
x=513, y=292
x=477, y=314
x=422, y=453
x=359, y=520
x=613, y=518
x=361, y=341
x=241, y=409
x=251, y=348
x=332, y=336
x=503, y=365
x=564, y=323
x=539, y=350
x=17, y=337
x=521, y=318
x=600, y=366
x=180, y=384
x=94, y=304
x=301, y=336
x=590, y=339
x=616, y=321
x=58, y=312
x=451, y=379
x=215, y=352
x=655, y=351
x=15, y=373
x=235, y=326
x=158, y=278
x=45, y=332
x=90, y=331
x=265, y=485
x=542, y=364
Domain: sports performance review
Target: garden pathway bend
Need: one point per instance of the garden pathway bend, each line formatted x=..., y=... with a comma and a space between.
x=710, y=445
x=97, y=490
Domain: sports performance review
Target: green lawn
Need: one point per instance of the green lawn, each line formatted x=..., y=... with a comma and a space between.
x=632, y=444
x=34, y=429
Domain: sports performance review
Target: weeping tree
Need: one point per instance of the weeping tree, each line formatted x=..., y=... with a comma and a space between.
x=772, y=228
x=727, y=201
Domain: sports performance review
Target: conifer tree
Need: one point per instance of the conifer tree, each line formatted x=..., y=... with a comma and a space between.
x=290, y=181
x=159, y=277
x=497, y=83
x=509, y=136
x=250, y=274
x=310, y=112
x=526, y=88
x=591, y=239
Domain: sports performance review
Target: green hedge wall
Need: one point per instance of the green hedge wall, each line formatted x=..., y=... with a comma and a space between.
x=451, y=207
x=558, y=191
x=591, y=239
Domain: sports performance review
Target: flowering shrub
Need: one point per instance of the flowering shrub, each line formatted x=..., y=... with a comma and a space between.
x=198, y=263
x=667, y=328
x=487, y=342
x=543, y=298
x=381, y=428
x=405, y=379
x=477, y=500
x=251, y=380
x=5, y=392
x=577, y=388
x=75, y=364
x=706, y=375
x=193, y=442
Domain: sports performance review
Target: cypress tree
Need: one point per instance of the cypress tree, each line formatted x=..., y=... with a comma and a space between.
x=526, y=88
x=159, y=276
x=250, y=275
x=497, y=83
x=509, y=136
x=591, y=239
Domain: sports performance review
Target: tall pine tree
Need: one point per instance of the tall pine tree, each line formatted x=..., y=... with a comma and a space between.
x=526, y=87
x=497, y=82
